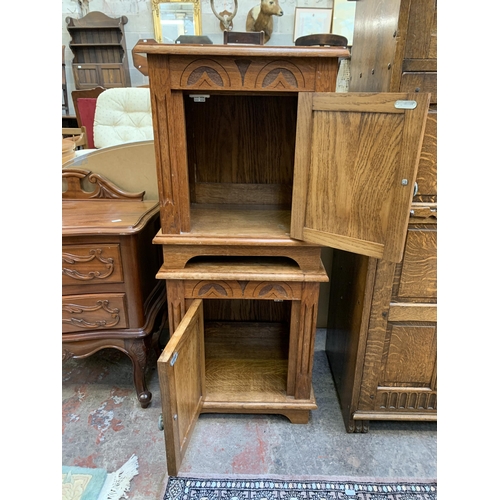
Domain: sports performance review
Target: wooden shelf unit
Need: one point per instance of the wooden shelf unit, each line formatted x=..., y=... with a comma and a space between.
x=100, y=52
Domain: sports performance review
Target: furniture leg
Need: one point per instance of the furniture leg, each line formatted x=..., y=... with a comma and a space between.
x=137, y=350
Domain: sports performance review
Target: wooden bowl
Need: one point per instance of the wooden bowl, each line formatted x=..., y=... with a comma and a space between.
x=68, y=149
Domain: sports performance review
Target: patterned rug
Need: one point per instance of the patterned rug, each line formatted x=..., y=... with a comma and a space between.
x=184, y=488
x=80, y=483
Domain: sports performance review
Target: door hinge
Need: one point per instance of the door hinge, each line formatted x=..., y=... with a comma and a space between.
x=174, y=359
x=401, y=104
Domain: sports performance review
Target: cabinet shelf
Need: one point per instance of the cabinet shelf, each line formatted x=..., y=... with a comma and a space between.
x=246, y=362
x=92, y=28
x=95, y=45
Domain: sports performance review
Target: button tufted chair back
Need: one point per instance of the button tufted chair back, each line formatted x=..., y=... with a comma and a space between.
x=122, y=115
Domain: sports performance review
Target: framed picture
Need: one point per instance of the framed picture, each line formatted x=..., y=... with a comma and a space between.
x=343, y=19
x=311, y=21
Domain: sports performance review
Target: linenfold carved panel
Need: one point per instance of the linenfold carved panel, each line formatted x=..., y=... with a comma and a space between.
x=242, y=74
x=406, y=400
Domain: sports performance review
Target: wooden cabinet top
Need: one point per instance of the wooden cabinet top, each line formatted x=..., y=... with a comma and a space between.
x=151, y=47
x=101, y=216
x=95, y=20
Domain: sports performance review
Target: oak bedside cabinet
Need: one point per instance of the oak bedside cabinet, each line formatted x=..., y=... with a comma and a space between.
x=260, y=164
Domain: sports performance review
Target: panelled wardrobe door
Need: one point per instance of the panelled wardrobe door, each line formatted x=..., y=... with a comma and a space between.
x=181, y=371
x=355, y=167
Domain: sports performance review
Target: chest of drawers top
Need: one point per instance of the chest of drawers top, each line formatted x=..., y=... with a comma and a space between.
x=106, y=216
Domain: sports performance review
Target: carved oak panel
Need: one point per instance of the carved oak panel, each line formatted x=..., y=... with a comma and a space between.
x=266, y=290
x=408, y=355
x=416, y=276
x=227, y=73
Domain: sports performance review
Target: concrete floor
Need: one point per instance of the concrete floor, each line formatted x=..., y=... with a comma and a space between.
x=103, y=425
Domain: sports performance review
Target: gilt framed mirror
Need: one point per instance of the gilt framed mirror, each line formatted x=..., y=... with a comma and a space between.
x=173, y=18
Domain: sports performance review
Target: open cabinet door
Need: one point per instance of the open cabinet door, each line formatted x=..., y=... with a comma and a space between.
x=355, y=167
x=181, y=371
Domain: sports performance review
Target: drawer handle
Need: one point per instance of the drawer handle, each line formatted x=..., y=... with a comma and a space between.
x=415, y=189
x=424, y=212
x=76, y=259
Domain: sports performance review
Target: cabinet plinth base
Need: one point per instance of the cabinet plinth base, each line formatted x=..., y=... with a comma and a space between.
x=297, y=412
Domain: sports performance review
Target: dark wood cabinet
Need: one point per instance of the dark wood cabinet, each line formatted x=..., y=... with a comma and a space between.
x=110, y=297
x=382, y=328
x=99, y=51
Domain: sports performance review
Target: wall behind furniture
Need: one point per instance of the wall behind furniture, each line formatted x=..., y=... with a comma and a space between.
x=140, y=23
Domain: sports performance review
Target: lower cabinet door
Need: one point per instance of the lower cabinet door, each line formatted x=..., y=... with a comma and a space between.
x=86, y=75
x=401, y=381
x=181, y=371
x=112, y=75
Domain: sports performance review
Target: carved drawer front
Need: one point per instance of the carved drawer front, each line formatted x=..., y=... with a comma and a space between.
x=416, y=275
x=425, y=81
x=83, y=313
x=91, y=264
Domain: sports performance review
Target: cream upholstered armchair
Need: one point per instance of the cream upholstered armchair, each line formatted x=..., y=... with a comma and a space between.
x=122, y=115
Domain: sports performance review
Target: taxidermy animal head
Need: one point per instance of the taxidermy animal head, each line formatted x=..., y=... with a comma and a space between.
x=225, y=17
x=260, y=17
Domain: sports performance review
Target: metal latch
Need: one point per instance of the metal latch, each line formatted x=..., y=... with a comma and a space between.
x=401, y=104
x=199, y=97
x=174, y=359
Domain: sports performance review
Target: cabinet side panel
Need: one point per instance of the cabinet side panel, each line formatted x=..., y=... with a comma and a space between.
x=170, y=148
x=376, y=335
x=376, y=43
x=350, y=297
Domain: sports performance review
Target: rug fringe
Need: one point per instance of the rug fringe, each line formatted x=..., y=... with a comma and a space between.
x=118, y=483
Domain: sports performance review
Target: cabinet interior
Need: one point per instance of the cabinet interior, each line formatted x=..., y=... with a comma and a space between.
x=240, y=152
x=246, y=349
